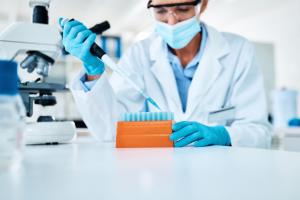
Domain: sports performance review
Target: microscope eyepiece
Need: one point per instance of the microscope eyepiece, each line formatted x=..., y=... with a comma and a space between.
x=40, y=15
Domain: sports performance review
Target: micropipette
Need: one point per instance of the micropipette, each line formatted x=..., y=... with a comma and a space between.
x=100, y=53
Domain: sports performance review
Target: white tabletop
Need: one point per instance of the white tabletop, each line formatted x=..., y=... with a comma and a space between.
x=89, y=170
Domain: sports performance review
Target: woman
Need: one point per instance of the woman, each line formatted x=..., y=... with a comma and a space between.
x=188, y=68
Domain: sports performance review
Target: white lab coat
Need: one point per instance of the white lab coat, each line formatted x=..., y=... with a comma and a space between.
x=226, y=76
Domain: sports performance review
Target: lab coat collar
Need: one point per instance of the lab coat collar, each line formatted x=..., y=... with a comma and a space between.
x=209, y=69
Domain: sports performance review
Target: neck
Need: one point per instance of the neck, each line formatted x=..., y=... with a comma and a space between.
x=187, y=53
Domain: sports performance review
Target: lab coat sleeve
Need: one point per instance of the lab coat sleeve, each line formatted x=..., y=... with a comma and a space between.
x=251, y=129
x=102, y=106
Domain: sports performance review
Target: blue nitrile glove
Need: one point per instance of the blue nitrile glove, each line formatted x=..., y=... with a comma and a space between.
x=78, y=40
x=294, y=122
x=185, y=133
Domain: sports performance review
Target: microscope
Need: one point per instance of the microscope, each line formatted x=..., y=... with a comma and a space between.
x=41, y=44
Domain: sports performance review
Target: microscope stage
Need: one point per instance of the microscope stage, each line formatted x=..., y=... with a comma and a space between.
x=49, y=132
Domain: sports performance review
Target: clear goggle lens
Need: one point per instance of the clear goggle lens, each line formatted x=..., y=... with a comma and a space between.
x=179, y=12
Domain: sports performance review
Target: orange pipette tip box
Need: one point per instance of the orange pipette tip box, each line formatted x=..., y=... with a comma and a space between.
x=144, y=134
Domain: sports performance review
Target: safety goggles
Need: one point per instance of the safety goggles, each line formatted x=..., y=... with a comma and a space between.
x=181, y=11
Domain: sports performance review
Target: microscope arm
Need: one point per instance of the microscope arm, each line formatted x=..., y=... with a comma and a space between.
x=42, y=43
x=21, y=37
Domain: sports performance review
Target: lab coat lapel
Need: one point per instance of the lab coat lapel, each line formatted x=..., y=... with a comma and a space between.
x=209, y=69
x=163, y=72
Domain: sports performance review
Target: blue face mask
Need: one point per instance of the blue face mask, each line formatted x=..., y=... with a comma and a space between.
x=179, y=35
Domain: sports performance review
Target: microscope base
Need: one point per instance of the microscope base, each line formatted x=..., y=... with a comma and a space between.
x=49, y=132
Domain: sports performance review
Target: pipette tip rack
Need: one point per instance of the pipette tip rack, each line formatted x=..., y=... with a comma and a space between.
x=144, y=130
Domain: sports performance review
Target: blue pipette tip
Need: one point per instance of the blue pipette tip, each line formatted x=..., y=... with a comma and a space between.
x=150, y=100
x=147, y=116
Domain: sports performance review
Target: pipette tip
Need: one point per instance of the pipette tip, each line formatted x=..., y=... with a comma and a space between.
x=150, y=100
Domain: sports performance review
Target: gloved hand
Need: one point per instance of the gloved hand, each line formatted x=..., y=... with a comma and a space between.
x=185, y=133
x=78, y=40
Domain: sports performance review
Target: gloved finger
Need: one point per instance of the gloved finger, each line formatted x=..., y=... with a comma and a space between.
x=74, y=31
x=82, y=36
x=187, y=140
x=188, y=130
x=60, y=19
x=68, y=26
x=180, y=125
x=89, y=42
x=203, y=143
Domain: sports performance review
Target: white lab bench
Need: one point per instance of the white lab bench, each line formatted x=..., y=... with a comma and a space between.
x=89, y=170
